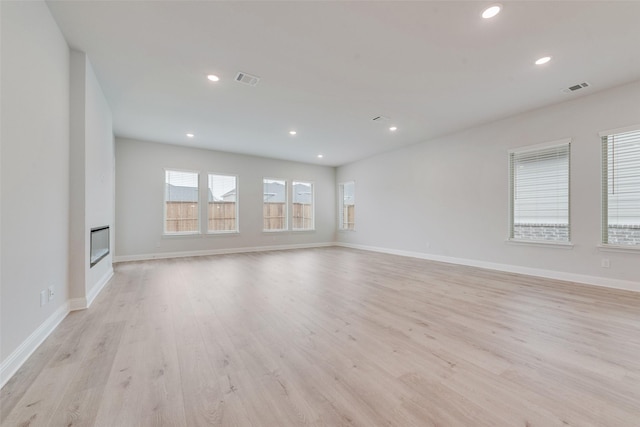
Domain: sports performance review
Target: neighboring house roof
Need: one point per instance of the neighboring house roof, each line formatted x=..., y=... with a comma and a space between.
x=302, y=194
x=229, y=196
x=274, y=192
x=176, y=193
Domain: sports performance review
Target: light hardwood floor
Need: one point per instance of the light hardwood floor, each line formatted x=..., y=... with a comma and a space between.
x=333, y=337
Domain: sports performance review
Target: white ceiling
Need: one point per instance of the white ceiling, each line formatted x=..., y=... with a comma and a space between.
x=328, y=68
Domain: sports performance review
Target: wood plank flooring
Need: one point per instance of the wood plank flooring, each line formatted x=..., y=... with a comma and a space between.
x=334, y=337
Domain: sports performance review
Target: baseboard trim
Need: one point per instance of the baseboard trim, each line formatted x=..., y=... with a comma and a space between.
x=584, y=279
x=84, y=303
x=77, y=304
x=165, y=255
x=97, y=288
x=16, y=359
x=20, y=355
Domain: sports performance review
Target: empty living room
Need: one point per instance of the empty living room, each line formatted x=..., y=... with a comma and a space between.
x=319, y=213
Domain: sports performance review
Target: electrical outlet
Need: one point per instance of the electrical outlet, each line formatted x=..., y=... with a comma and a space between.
x=43, y=298
x=51, y=293
x=605, y=263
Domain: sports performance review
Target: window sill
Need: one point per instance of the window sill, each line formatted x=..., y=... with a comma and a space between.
x=541, y=243
x=618, y=248
x=346, y=230
x=222, y=233
x=304, y=230
x=275, y=231
x=181, y=235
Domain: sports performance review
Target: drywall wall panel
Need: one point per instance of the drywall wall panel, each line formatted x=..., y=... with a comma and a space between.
x=448, y=197
x=140, y=184
x=99, y=173
x=35, y=169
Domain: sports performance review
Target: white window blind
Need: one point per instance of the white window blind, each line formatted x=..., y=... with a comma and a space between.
x=347, y=202
x=274, y=204
x=621, y=188
x=181, y=202
x=222, y=209
x=302, y=205
x=539, y=186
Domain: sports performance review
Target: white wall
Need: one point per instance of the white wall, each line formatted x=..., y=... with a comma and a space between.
x=100, y=174
x=447, y=198
x=92, y=177
x=140, y=199
x=77, y=184
x=35, y=170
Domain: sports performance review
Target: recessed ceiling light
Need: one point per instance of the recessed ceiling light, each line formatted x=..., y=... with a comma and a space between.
x=320, y=156
x=393, y=128
x=292, y=132
x=492, y=11
x=543, y=60
x=190, y=135
x=213, y=77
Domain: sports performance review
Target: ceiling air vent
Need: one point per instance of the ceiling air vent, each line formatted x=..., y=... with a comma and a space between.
x=247, y=79
x=576, y=87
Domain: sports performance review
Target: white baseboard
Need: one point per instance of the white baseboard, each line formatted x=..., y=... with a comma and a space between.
x=11, y=364
x=164, y=255
x=16, y=359
x=77, y=304
x=549, y=274
x=97, y=288
x=84, y=303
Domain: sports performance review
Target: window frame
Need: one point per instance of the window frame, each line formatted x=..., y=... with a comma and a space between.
x=166, y=233
x=604, y=245
x=511, y=197
x=341, y=205
x=237, y=217
x=286, y=205
x=313, y=205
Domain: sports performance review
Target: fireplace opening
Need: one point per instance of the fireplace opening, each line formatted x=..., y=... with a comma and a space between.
x=99, y=244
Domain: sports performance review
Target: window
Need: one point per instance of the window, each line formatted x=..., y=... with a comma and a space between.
x=347, y=202
x=302, y=205
x=222, y=209
x=621, y=188
x=181, y=215
x=274, y=204
x=539, y=190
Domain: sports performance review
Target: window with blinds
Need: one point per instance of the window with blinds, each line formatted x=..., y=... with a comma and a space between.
x=274, y=207
x=222, y=208
x=181, y=194
x=621, y=188
x=539, y=192
x=302, y=198
x=347, y=205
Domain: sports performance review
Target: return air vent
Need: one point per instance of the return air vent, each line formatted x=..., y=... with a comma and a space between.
x=576, y=87
x=247, y=79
